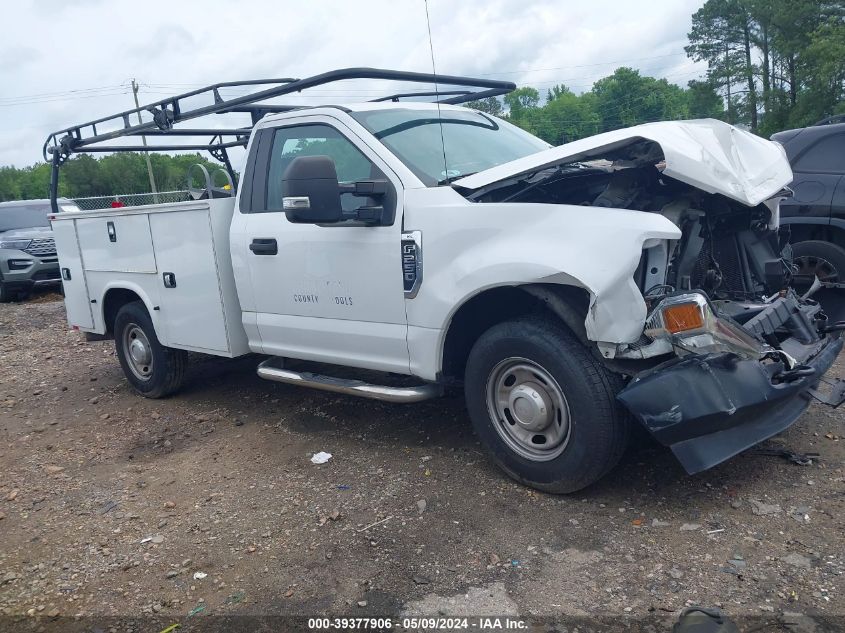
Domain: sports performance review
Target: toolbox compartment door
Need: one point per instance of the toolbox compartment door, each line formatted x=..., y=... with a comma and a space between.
x=191, y=301
x=117, y=243
x=77, y=301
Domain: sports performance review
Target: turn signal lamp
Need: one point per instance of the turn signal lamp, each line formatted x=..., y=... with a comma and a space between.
x=688, y=322
x=683, y=317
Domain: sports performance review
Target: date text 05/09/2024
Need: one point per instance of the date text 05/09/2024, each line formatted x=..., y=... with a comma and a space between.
x=419, y=623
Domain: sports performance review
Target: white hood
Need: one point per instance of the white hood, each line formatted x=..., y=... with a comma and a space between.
x=707, y=154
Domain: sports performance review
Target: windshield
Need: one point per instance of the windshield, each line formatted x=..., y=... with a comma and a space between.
x=471, y=141
x=24, y=216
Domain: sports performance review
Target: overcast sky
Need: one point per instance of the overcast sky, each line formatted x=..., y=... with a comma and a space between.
x=64, y=62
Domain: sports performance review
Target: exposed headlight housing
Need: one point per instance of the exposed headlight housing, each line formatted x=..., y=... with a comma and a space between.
x=689, y=323
x=20, y=245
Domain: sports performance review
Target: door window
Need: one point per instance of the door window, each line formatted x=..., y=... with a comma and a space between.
x=826, y=156
x=317, y=140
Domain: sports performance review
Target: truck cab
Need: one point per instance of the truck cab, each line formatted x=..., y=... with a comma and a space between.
x=634, y=277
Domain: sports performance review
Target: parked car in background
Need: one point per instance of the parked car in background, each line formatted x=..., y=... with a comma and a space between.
x=816, y=212
x=27, y=249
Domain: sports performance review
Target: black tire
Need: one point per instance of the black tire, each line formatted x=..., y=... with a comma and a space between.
x=6, y=294
x=824, y=259
x=165, y=366
x=598, y=427
x=14, y=291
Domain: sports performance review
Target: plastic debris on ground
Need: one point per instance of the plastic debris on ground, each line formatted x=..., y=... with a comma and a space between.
x=320, y=458
x=199, y=575
x=236, y=597
x=802, y=459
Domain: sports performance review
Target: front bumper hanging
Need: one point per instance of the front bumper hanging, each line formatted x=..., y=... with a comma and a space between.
x=710, y=408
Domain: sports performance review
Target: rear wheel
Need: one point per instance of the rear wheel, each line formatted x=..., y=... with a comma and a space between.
x=151, y=368
x=543, y=406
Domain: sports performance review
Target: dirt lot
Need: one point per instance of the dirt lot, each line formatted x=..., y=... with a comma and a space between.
x=207, y=504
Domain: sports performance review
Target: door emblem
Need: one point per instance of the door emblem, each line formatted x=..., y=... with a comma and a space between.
x=412, y=271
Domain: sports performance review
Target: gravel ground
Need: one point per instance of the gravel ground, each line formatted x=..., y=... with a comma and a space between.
x=207, y=504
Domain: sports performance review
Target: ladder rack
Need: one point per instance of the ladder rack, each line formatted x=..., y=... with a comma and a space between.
x=167, y=114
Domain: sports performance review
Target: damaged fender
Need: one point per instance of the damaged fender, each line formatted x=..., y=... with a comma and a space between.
x=597, y=249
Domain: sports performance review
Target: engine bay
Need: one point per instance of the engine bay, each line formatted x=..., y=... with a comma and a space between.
x=730, y=251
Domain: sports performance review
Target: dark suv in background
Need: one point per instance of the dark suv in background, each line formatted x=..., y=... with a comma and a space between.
x=816, y=213
x=27, y=249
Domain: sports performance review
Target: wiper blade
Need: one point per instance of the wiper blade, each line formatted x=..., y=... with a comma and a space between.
x=451, y=179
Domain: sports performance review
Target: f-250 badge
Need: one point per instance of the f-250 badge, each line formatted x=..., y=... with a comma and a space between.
x=412, y=262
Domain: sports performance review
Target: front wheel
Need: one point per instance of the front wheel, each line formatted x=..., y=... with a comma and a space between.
x=543, y=406
x=152, y=369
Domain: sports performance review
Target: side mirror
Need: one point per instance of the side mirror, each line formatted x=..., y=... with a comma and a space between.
x=310, y=191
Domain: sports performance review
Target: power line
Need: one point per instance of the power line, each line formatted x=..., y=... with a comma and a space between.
x=93, y=96
x=121, y=89
x=63, y=92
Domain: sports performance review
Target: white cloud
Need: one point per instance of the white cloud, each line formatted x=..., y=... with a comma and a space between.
x=61, y=46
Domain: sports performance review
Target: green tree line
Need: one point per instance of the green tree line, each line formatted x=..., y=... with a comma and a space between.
x=622, y=99
x=83, y=175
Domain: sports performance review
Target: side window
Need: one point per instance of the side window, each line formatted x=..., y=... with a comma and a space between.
x=317, y=140
x=826, y=156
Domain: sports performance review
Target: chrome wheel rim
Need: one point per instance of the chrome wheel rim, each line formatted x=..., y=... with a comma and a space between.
x=528, y=409
x=138, y=352
x=807, y=267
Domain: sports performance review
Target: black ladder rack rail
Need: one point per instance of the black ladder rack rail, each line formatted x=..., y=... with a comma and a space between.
x=168, y=113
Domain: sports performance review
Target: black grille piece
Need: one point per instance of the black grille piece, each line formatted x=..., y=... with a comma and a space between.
x=725, y=251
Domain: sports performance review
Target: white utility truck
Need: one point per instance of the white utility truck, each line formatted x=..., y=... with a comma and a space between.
x=637, y=276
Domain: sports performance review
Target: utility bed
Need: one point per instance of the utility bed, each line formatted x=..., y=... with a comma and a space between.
x=175, y=257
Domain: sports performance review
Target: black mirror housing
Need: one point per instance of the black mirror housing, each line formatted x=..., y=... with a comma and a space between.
x=310, y=191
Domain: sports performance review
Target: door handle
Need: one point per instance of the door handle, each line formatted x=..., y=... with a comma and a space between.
x=264, y=246
x=169, y=280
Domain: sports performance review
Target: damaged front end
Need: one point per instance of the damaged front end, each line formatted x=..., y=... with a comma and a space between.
x=729, y=355
x=731, y=386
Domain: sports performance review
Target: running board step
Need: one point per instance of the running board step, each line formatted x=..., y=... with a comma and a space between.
x=270, y=371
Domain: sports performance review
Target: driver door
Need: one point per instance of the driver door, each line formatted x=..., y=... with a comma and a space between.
x=332, y=292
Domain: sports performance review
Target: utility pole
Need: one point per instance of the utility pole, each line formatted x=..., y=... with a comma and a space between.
x=144, y=141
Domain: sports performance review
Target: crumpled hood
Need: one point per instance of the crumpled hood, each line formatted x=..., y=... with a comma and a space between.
x=31, y=233
x=707, y=154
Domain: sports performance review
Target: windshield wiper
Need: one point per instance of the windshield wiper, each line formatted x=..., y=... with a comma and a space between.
x=451, y=179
